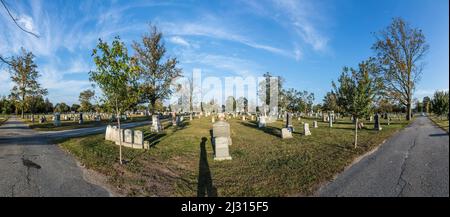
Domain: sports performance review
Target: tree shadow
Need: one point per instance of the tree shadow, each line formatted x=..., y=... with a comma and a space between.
x=438, y=134
x=205, y=185
x=274, y=131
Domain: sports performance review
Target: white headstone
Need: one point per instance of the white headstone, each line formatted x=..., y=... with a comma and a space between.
x=306, y=131
x=286, y=133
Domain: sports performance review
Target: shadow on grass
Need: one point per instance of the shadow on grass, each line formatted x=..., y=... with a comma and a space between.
x=154, y=138
x=274, y=131
x=205, y=185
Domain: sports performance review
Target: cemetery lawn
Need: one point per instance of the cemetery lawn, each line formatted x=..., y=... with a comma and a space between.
x=68, y=125
x=442, y=122
x=180, y=161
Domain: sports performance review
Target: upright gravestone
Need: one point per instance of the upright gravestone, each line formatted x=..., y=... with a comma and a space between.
x=289, y=125
x=80, y=120
x=128, y=137
x=330, y=121
x=174, y=119
x=377, y=125
x=108, y=133
x=156, y=124
x=262, y=122
x=57, y=119
x=315, y=124
x=42, y=119
x=306, y=131
x=138, y=140
x=221, y=140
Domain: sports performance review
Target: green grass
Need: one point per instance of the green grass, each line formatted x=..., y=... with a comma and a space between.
x=442, y=122
x=68, y=125
x=180, y=164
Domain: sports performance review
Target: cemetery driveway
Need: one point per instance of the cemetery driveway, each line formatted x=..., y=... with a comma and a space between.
x=414, y=162
x=31, y=166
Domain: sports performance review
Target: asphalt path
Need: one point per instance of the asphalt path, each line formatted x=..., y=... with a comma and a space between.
x=31, y=166
x=414, y=162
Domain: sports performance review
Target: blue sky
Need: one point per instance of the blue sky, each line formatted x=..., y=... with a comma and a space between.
x=307, y=42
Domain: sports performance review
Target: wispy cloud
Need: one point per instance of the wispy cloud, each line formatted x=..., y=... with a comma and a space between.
x=217, y=31
x=179, y=41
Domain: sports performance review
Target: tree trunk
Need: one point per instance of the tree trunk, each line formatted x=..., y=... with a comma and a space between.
x=356, y=132
x=120, y=138
x=409, y=112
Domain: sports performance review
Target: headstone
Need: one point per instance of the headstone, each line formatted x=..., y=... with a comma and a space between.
x=213, y=119
x=222, y=129
x=289, y=125
x=315, y=124
x=138, y=139
x=128, y=136
x=156, y=124
x=262, y=122
x=174, y=119
x=80, y=120
x=108, y=133
x=306, y=131
x=377, y=125
x=330, y=122
x=57, y=119
x=221, y=140
x=286, y=133
x=243, y=117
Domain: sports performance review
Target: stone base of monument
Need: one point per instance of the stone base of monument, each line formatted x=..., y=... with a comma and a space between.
x=221, y=149
x=286, y=134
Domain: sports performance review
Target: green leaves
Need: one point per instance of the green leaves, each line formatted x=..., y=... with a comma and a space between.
x=356, y=89
x=114, y=75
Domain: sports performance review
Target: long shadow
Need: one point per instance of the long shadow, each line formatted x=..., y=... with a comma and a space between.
x=438, y=135
x=205, y=185
x=154, y=138
x=274, y=131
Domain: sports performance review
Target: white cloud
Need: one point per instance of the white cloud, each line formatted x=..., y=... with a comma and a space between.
x=179, y=41
x=217, y=31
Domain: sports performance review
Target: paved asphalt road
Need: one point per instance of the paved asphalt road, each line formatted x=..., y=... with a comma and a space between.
x=31, y=166
x=414, y=162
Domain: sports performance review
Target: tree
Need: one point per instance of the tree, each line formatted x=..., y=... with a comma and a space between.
x=440, y=103
x=357, y=90
x=75, y=107
x=330, y=102
x=155, y=75
x=400, y=49
x=116, y=77
x=48, y=106
x=426, y=103
x=24, y=75
x=62, y=107
x=85, y=100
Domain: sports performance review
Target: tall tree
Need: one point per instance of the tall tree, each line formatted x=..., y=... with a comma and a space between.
x=117, y=79
x=155, y=72
x=356, y=91
x=400, y=50
x=24, y=75
x=330, y=102
x=440, y=103
x=426, y=103
x=85, y=100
